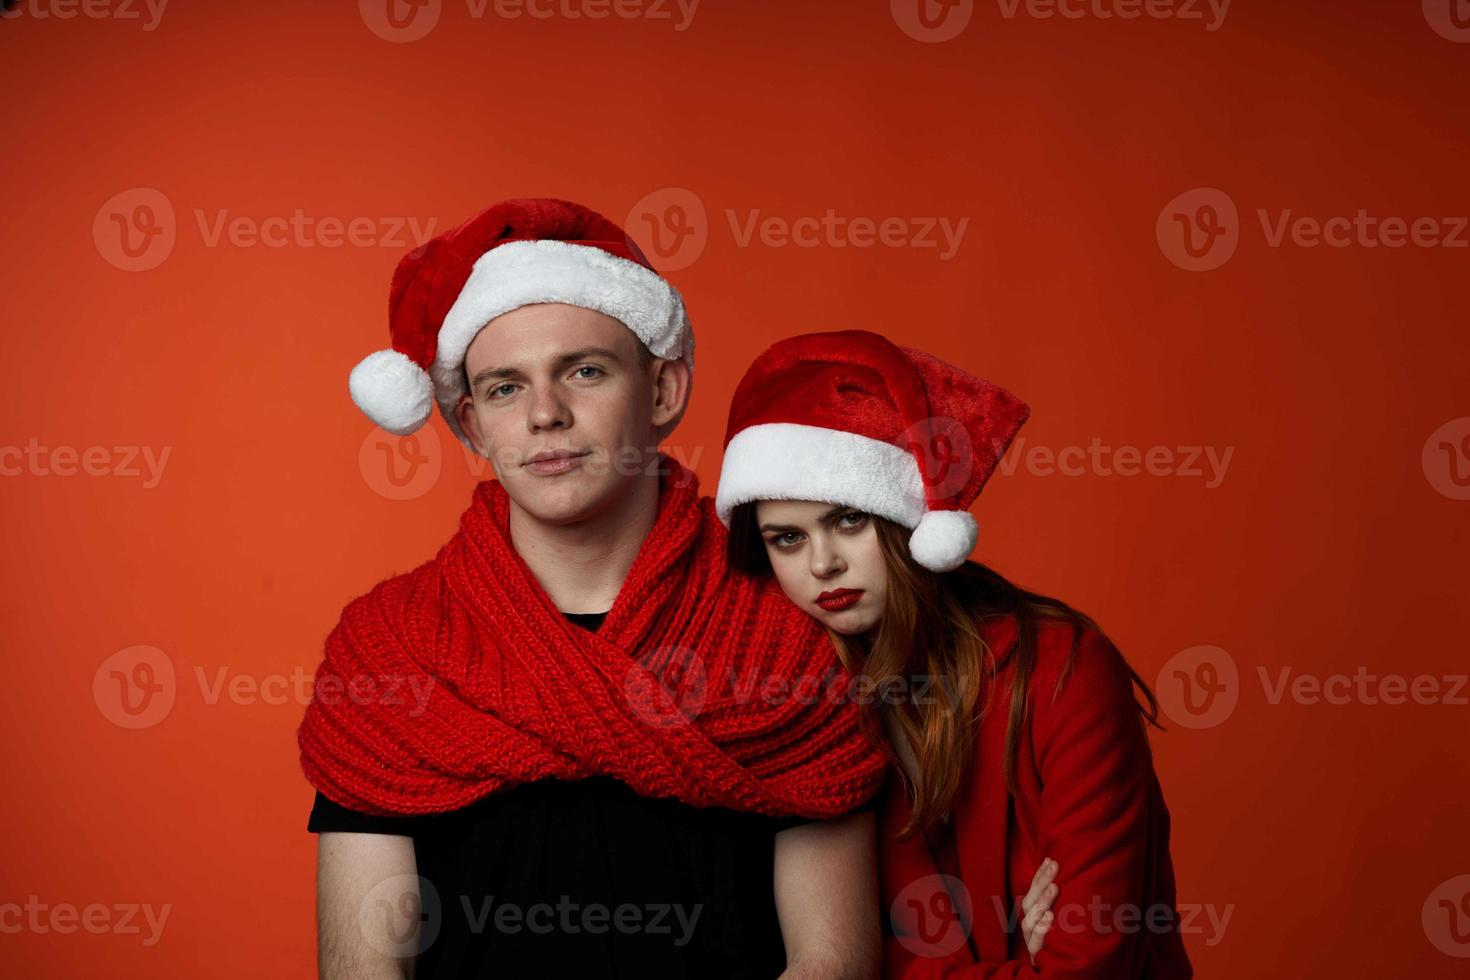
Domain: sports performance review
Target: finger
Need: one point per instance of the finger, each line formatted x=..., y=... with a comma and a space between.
x=1037, y=939
x=1032, y=917
x=1039, y=881
x=1047, y=900
x=1041, y=909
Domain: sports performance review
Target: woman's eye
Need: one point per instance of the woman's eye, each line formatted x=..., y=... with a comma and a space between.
x=852, y=519
x=786, y=540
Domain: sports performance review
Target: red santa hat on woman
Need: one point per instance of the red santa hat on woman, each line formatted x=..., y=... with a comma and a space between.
x=510, y=255
x=850, y=418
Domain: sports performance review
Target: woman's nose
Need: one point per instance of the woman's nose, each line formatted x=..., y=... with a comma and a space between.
x=826, y=562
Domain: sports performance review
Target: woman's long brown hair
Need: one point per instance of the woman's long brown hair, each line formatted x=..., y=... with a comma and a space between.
x=930, y=633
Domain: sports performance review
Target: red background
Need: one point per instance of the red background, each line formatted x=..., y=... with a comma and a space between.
x=1327, y=546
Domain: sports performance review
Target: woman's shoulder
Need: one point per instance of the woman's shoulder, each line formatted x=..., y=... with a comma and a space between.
x=1068, y=654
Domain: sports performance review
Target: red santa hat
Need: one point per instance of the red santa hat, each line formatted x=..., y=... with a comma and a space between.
x=510, y=255
x=850, y=418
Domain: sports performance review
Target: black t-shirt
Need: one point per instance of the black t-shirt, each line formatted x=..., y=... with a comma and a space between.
x=588, y=878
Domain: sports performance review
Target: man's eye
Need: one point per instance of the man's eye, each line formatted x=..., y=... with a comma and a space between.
x=502, y=391
x=595, y=371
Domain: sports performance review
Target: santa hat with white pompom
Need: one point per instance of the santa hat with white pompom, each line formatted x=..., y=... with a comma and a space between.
x=512, y=254
x=850, y=418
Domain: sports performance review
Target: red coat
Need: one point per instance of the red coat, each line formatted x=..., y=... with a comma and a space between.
x=1086, y=796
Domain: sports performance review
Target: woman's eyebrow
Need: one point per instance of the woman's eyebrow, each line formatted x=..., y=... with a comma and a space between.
x=779, y=527
x=836, y=511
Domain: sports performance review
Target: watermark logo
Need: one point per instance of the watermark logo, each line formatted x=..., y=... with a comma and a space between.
x=404, y=21
x=1180, y=10
x=1361, y=230
x=1446, y=917
x=932, y=21
x=1446, y=459
x=932, y=915
x=135, y=229
x=135, y=687
x=935, y=21
x=1099, y=917
x=1450, y=19
x=129, y=462
x=1206, y=463
x=95, y=918
x=400, y=467
x=1198, y=230
x=945, y=452
x=674, y=226
x=1363, y=687
x=1199, y=687
x=832, y=230
x=672, y=223
x=401, y=916
x=400, y=21
x=148, y=12
x=138, y=687
x=667, y=686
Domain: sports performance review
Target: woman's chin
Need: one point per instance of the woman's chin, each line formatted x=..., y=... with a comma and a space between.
x=849, y=622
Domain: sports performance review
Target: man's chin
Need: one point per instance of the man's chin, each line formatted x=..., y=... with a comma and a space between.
x=559, y=501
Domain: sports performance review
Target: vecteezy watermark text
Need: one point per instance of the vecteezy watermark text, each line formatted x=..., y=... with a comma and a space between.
x=37, y=460
x=1096, y=459
x=97, y=918
x=136, y=229
x=149, y=12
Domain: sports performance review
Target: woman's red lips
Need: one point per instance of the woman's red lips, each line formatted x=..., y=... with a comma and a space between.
x=839, y=599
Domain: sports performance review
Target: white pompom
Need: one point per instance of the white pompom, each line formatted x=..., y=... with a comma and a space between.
x=944, y=539
x=392, y=390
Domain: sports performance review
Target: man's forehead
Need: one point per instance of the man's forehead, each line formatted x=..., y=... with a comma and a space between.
x=542, y=334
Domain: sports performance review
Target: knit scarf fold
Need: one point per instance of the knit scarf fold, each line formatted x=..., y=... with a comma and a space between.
x=701, y=685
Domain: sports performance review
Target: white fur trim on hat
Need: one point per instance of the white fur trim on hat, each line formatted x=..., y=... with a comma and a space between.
x=392, y=390
x=522, y=273
x=944, y=539
x=787, y=461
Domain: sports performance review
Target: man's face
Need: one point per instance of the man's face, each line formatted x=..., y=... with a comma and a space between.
x=561, y=404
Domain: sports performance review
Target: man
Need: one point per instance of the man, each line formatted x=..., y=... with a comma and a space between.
x=627, y=761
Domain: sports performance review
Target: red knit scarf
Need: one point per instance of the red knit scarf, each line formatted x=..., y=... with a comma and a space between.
x=703, y=686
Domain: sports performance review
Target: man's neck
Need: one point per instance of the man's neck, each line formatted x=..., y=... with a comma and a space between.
x=582, y=566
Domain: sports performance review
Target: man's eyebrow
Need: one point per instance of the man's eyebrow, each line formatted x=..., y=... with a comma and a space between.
x=490, y=373
x=563, y=360
x=832, y=514
x=585, y=353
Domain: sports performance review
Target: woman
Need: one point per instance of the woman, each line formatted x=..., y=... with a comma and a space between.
x=1017, y=740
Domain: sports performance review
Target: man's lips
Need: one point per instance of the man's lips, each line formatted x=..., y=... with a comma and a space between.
x=839, y=599
x=550, y=462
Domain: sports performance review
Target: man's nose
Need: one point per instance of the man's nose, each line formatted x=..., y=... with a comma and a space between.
x=548, y=411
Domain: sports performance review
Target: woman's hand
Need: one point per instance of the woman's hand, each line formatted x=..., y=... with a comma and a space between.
x=1036, y=915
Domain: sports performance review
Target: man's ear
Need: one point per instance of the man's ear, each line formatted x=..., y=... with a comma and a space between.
x=672, y=383
x=469, y=422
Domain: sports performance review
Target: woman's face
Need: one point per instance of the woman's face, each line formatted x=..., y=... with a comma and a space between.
x=828, y=561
